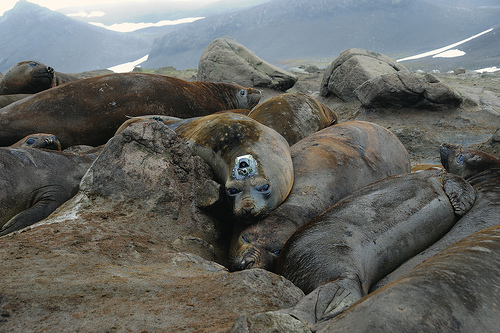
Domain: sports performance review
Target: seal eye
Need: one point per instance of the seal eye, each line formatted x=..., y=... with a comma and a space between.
x=276, y=252
x=30, y=141
x=32, y=64
x=460, y=159
x=264, y=189
x=232, y=191
x=244, y=239
x=242, y=92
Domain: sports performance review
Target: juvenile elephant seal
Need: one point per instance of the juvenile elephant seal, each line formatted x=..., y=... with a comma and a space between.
x=338, y=255
x=39, y=140
x=482, y=171
x=294, y=115
x=328, y=165
x=89, y=111
x=457, y=290
x=31, y=77
x=35, y=182
x=251, y=160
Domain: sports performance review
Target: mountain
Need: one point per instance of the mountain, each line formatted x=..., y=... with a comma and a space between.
x=32, y=32
x=280, y=30
x=481, y=52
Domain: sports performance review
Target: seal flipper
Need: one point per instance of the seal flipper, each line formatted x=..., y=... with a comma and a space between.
x=326, y=302
x=45, y=202
x=460, y=193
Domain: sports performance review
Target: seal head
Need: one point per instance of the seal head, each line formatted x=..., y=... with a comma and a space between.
x=39, y=140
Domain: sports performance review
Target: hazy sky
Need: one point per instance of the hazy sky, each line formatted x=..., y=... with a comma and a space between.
x=57, y=4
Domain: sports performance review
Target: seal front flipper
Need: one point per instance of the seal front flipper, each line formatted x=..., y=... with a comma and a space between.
x=460, y=193
x=327, y=301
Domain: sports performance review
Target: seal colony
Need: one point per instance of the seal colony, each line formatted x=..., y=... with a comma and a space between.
x=328, y=165
x=89, y=111
x=337, y=256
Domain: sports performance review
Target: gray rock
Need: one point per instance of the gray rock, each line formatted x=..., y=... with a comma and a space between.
x=352, y=68
x=225, y=60
x=406, y=89
x=268, y=322
x=132, y=251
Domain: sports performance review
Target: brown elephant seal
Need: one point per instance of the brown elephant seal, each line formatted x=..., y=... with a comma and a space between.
x=337, y=256
x=250, y=160
x=482, y=171
x=35, y=182
x=38, y=140
x=31, y=77
x=294, y=115
x=89, y=111
x=328, y=165
x=9, y=99
x=457, y=290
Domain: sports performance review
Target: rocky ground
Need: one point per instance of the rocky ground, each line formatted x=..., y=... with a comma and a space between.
x=134, y=252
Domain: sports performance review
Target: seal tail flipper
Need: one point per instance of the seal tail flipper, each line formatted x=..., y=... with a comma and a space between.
x=460, y=193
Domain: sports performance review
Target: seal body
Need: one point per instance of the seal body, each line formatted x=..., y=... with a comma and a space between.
x=31, y=77
x=250, y=160
x=457, y=290
x=294, y=115
x=328, y=165
x=482, y=171
x=9, y=99
x=89, y=111
x=39, y=140
x=338, y=255
x=35, y=182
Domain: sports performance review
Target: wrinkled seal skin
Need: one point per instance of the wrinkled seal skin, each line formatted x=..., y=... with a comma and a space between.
x=294, y=115
x=328, y=165
x=337, y=256
x=31, y=77
x=89, y=111
x=457, y=290
x=38, y=140
x=221, y=138
x=482, y=171
x=35, y=182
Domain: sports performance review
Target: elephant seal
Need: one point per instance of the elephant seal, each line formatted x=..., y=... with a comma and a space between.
x=39, y=140
x=89, y=111
x=250, y=160
x=482, y=171
x=35, y=182
x=31, y=77
x=338, y=255
x=294, y=115
x=9, y=99
x=328, y=165
x=457, y=290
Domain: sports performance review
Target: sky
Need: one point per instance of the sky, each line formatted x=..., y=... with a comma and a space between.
x=58, y=4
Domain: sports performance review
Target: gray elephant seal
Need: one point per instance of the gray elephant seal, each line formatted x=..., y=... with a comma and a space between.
x=251, y=160
x=482, y=171
x=35, y=182
x=328, y=165
x=89, y=111
x=337, y=256
x=31, y=77
x=457, y=290
x=38, y=140
x=294, y=115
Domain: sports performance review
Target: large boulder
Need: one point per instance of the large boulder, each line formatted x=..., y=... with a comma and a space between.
x=132, y=251
x=352, y=68
x=226, y=60
x=406, y=89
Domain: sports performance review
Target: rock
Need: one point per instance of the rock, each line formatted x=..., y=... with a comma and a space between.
x=406, y=89
x=225, y=60
x=459, y=70
x=272, y=321
x=132, y=251
x=352, y=68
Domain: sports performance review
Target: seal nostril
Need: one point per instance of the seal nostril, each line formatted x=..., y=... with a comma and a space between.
x=249, y=264
x=50, y=69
